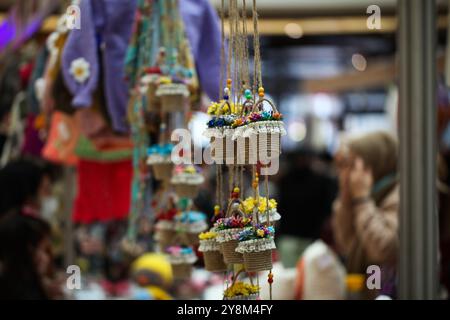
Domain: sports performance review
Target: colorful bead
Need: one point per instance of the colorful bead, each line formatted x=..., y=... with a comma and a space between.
x=248, y=94
x=236, y=190
x=226, y=93
x=261, y=92
x=270, y=278
x=229, y=82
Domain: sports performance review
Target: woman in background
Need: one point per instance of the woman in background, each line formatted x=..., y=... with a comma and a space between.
x=25, y=258
x=365, y=218
x=24, y=184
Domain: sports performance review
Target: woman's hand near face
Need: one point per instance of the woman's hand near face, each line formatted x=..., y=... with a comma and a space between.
x=360, y=180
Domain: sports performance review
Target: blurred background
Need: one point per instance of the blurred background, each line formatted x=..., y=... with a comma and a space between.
x=329, y=74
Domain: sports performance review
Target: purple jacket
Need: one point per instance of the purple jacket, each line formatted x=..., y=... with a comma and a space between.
x=109, y=22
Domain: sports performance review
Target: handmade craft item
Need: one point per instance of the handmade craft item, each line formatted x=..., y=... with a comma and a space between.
x=211, y=250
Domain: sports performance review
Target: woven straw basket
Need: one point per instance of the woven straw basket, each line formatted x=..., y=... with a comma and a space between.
x=173, y=102
x=230, y=256
x=186, y=190
x=260, y=147
x=165, y=237
x=258, y=261
x=182, y=271
x=222, y=145
x=267, y=146
x=162, y=171
x=214, y=261
x=190, y=239
x=153, y=102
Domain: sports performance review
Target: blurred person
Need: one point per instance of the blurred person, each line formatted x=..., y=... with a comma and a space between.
x=26, y=260
x=24, y=185
x=365, y=218
x=306, y=194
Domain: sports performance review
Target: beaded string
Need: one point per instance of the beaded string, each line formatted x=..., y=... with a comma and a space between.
x=242, y=181
x=230, y=44
x=258, y=72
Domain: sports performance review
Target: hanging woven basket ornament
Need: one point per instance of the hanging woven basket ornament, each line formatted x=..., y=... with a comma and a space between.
x=211, y=250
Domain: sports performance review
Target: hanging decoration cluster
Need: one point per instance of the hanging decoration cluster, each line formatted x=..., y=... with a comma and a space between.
x=163, y=84
x=245, y=132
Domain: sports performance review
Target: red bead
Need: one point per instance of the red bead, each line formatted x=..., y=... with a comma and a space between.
x=270, y=281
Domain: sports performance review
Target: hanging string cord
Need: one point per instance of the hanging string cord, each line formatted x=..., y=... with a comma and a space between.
x=267, y=199
x=222, y=48
x=236, y=48
x=246, y=70
x=218, y=184
x=242, y=182
x=230, y=179
x=230, y=39
x=257, y=72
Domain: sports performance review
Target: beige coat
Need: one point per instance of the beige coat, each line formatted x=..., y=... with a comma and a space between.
x=370, y=227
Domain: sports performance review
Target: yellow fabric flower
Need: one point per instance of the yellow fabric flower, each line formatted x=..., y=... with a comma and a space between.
x=190, y=169
x=165, y=80
x=207, y=235
x=212, y=109
x=241, y=289
x=272, y=204
x=250, y=203
x=236, y=108
x=260, y=233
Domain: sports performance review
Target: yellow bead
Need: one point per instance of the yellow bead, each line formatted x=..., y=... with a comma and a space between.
x=237, y=190
x=229, y=81
x=255, y=185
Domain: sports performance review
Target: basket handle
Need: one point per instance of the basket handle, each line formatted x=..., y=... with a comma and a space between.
x=259, y=104
x=236, y=276
x=246, y=107
x=223, y=105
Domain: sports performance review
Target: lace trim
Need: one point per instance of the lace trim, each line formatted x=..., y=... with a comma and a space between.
x=249, y=297
x=256, y=245
x=158, y=159
x=274, y=216
x=188, y=178
x=184, y=259
x=149, y=79
x=209, y=245
x=218, y=132
x=172, y=89
x=259, y=127
x=164, y=225
x=194, y=227
x=228, y=234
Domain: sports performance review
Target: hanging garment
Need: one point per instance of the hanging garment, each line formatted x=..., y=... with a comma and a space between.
x=103, y=191
x=106, y=24
x=62, y=139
